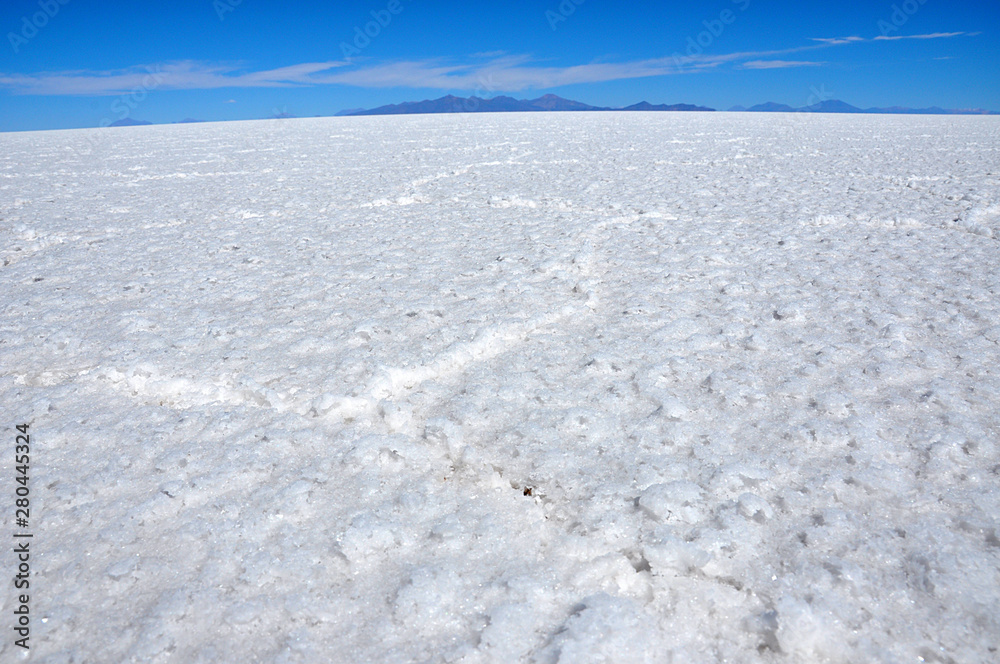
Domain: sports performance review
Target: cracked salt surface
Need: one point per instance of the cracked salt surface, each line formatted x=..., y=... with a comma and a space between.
x=550, y=388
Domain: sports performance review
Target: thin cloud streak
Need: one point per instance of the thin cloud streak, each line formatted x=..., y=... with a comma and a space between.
x=839, y=40
x=515, y=73
x=507, y=73
x=185, y=75
x=936, y=35
x=834, y=41
x=500, y=75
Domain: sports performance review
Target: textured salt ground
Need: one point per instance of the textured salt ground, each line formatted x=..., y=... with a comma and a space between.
x=561, y=387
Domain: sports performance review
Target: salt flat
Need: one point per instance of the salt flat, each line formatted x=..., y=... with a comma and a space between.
x=510, y=387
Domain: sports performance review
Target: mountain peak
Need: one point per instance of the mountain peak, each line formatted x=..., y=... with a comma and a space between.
x=770, y=107
x=646, y=106
x=831, y=106
x=129, y=122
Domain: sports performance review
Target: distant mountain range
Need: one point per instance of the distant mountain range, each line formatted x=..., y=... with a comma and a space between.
x=452, y=104
x=646, y=106
x=129, y=122
x=837, y=106
x=503, y=104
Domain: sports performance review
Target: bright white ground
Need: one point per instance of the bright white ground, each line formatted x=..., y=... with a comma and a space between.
x=289, y=382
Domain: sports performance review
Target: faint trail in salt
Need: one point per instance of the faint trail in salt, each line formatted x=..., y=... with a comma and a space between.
x=981, y=221
x=393, y=383
x=28, y=243
x=149, y=384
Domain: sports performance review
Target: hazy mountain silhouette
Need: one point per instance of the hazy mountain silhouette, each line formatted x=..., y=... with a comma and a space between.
x=555, y=103
x=770, y=107
x=504, y=104
x=499, y=104
x=646, y=106
x=550, y=102
x=933, y=110
x=837, y=106
x=129, y=122
x=831, y=106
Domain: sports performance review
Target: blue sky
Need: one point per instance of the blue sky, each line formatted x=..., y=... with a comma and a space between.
x=78, y=63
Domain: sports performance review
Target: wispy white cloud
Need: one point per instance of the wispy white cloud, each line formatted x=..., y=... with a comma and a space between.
x=778, y=64
x=185, y=75
x=514, y=73
x=839, y=40
x=834, y=41
x=506, y=73
x=511, y=73
x=934, y=35
x=482, y=74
